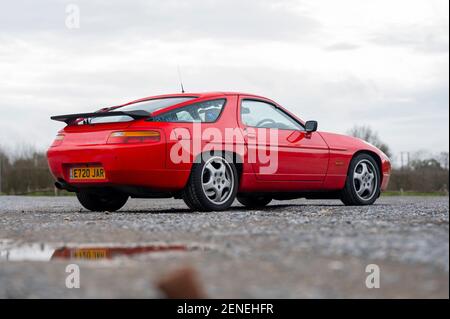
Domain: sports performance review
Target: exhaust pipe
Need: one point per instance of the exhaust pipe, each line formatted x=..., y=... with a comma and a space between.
x=62, y=185
x=59, y=185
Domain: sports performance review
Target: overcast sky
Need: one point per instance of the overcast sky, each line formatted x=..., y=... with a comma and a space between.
x=382, y=63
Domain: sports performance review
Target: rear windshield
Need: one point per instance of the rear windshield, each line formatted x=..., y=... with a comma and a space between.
x=149, y=106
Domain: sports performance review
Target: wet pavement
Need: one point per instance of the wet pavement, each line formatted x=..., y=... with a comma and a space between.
x=292, y=249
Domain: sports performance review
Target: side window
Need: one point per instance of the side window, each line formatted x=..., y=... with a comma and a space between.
x=265, y=115
x=204, y=112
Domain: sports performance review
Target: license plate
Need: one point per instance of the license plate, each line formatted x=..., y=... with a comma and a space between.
x=90, y=254
x=87, y=173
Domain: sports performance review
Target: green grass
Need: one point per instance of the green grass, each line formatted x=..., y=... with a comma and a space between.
x=412, y=193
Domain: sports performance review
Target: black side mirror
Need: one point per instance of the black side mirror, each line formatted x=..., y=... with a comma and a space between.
x=311, y=126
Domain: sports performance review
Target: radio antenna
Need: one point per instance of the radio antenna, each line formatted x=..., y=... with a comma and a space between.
x=180, y=79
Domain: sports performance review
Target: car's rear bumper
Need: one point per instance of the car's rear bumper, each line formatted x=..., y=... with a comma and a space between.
x=125, y=165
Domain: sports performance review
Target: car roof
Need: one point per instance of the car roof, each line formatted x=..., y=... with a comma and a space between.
x=198, y=96
x=190, y=94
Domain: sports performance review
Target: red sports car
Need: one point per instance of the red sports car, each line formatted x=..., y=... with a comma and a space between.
x=208, y=149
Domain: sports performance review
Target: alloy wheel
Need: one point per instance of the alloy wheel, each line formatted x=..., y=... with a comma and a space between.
x=217, y=180
x=365, y=179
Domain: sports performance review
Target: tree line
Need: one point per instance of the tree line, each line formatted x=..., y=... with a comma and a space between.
x=25, y=174
x=422, y=175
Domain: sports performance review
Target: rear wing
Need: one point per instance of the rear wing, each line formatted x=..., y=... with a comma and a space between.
x=70, y=118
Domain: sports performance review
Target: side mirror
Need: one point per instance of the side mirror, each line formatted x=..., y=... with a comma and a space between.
x=311, y=126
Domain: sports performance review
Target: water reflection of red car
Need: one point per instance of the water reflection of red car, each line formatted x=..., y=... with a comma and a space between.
x=239, y=145
x=95, y=253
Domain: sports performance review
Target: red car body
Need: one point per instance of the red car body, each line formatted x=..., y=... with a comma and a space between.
x=309, y=163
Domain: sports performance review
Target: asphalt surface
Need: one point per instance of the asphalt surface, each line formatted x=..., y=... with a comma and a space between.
x=291, y=249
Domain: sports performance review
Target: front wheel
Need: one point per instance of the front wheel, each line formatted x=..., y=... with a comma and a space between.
x=362, y=186
x=109, y=202
x=212, y=185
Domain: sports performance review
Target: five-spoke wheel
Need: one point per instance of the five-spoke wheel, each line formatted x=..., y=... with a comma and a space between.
x=363, y=181
x=212, y=184
x=217, y=180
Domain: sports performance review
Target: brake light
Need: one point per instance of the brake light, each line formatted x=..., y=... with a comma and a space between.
x=133, y=137
x=58, y=140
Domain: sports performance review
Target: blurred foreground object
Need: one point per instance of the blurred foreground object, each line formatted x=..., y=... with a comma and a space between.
x=182, y=284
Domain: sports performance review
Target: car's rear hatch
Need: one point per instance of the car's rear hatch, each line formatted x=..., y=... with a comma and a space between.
x=95, y=128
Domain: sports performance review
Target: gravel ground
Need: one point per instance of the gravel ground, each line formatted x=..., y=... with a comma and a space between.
x=291, y=249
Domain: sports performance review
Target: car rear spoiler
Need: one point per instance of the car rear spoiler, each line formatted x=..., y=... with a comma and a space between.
x=70, y=118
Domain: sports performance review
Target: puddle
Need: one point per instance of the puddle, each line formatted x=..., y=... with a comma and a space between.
x=94, y=253
x=11, y=251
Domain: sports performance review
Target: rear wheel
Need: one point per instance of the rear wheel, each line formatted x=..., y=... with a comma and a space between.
x=109, y=202
x=254, y=201
x=362, y=186
x=212, y=185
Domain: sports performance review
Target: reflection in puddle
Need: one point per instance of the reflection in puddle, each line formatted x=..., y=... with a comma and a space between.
x=93, y=253
x=37, y=252
x=10, y=251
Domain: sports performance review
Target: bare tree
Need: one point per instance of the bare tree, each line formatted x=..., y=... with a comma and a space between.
x=24, y=173
x=367, y=134
x=443, y=159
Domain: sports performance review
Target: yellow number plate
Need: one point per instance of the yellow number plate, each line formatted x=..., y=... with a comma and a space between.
x=87, y=173
x=89, y=254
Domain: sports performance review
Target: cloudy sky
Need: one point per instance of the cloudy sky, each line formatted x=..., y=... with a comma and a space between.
x=381, y=63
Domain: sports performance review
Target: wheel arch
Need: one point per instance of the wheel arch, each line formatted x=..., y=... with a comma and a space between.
x=375, y=156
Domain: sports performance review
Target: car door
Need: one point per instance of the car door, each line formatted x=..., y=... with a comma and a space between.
x=278, y=146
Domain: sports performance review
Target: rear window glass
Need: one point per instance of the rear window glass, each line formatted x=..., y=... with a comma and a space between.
x=203, y=112
x=149, y=106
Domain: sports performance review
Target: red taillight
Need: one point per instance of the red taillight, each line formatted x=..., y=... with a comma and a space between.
x=128, y=137
x=58, y=140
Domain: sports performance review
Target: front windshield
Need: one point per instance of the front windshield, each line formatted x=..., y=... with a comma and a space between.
x=150, y=106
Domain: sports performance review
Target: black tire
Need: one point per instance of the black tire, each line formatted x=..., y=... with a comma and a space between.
x=255, y=201
x=109, y=202
x=357, y=180
x=197, y=198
